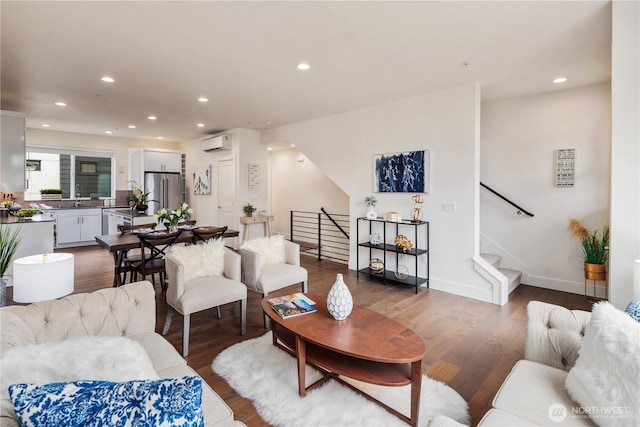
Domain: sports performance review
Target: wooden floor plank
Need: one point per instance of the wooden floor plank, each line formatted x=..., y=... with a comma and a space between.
x=471, y=345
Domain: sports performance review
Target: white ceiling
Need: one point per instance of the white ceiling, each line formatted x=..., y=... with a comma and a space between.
x=242, y=56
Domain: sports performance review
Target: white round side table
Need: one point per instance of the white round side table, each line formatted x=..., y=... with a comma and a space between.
x=42, y=277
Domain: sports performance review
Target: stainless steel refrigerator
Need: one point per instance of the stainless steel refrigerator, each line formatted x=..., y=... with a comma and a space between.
x=165, y=188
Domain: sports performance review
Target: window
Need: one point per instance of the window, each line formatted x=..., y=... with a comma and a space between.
x=79, y=173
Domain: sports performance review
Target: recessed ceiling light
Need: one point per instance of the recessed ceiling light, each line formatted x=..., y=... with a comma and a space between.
x=269, y=148
x=293, y=145
x=131, y=126
x=108, y=132
x=161, y=137
x=45, y=125
x=61, y=104
x=200, y=125
x=560, y=80
x=303, y=66
x=107, y=79
x=203, y=99
x=268, y=122
x=152, y=117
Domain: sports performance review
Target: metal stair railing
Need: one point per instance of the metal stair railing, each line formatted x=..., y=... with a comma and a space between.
x=520, y=210
x=321, y=234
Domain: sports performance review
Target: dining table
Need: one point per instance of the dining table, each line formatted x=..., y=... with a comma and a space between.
x=119, y=244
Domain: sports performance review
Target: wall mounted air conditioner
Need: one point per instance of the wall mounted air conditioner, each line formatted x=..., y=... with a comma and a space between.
x=216, y=143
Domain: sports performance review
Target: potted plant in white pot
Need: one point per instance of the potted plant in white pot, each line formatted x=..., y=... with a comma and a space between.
x=51, y=194
x=371, y=202
x=9, y=241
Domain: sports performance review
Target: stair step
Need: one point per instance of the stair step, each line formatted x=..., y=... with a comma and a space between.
x=492, y=259
x=513, y=277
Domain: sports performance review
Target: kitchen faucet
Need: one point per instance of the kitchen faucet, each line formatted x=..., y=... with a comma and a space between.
x=77, y=202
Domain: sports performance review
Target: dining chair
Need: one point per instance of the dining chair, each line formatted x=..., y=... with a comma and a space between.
x=157, y=244
x=132, y=256
x=202, y=234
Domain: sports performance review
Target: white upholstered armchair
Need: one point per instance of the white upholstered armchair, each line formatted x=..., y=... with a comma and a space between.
x=201, y=277
x=271, y=263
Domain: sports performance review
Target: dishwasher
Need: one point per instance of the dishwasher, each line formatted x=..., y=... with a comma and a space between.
x=116, y=219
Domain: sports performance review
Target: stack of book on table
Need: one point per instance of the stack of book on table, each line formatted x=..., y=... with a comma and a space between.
x=292, y=305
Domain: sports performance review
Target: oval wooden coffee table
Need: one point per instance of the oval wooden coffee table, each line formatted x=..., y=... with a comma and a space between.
x=366, y=346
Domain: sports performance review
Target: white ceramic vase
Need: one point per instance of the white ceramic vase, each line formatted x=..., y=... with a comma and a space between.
x=339, y=300
x=371, y=214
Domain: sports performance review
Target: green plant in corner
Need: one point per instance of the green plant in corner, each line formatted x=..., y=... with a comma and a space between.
x=9, y=241
x=594, y=244
x=249, y=209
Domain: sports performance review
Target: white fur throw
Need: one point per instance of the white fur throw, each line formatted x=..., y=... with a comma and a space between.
x=205, y=259
x=84, y=358
x=270, y=249
x=606, y=377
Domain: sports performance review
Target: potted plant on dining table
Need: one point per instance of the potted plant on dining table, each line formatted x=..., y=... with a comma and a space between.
x=171, y=219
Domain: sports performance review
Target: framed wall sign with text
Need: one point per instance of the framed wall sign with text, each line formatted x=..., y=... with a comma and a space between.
x=565, y=167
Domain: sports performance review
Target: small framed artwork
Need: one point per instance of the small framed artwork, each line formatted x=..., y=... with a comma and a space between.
x=34, y=165
x=88, y=167
x=202, y=181
x=405, y=172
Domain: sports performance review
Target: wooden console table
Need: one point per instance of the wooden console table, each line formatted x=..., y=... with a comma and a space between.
x=246, y=221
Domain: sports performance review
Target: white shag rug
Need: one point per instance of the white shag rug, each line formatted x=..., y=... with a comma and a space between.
x=267, y=375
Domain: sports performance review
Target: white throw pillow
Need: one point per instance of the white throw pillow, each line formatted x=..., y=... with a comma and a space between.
x=270, y=249
x=83, y=358
x=605, y=379
x=205, y=259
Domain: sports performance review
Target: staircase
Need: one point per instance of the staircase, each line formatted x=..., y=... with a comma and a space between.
x=513, y=276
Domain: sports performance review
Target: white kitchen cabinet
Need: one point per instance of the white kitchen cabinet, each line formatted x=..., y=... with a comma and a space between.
x=12, y=148
x=162, y=161
x=78, y=227
x=143, y=160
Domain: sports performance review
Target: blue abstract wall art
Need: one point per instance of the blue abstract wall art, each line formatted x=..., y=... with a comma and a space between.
x=401, y=172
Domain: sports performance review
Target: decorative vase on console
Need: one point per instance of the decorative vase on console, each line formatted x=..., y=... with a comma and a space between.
x=339, y=300
x=371, y=202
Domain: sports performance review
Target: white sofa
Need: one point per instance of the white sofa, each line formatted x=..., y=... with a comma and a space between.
x=579, y=368
x=128, y=311
x=536, y=384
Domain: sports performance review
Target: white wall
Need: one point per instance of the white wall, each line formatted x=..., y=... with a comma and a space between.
x=519, y=137
x=105, y=143
x=246, y=148
x=445, y=123
x=625, y=177
x=300, y=186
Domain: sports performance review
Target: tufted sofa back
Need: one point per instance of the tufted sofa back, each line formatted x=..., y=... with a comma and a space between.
x=124, y=311
x=554, y=334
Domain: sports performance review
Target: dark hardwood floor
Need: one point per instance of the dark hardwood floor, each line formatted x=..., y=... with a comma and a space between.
x=471, y=345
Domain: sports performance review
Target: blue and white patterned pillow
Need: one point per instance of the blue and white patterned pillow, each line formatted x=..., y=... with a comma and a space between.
x=165, y=402
x=633, y=310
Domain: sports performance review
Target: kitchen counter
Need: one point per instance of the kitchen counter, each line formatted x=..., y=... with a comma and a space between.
x=34, y=219
x=131, y=213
